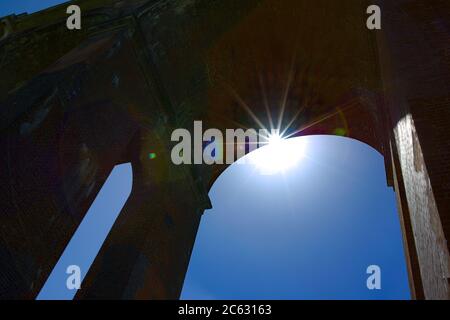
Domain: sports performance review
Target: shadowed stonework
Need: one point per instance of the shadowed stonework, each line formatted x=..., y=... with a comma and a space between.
x=73, y=104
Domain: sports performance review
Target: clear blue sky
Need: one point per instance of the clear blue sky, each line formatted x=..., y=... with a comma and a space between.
x=20, y=6
x=90, y=234
x=310, y=233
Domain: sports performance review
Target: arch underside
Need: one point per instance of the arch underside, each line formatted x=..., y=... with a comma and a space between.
x=116, y=93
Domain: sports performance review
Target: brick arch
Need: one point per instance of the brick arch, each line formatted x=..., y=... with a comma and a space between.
x=275, y=56
x=354, y=118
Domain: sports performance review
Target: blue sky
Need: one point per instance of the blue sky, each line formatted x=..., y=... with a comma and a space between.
x=90, y=234
x=307, y=234
x=20, y=6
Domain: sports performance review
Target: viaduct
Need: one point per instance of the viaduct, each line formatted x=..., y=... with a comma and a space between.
x=75, y=103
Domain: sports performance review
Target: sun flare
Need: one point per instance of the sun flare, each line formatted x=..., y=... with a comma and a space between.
x=279, y=155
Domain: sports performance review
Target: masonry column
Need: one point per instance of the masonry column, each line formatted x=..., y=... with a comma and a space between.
x=147, y=252
x=414, y=45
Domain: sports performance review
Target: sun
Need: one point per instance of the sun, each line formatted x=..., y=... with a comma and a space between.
x=279, y=155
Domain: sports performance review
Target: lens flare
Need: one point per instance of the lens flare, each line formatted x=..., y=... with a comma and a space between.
x=278, y=156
